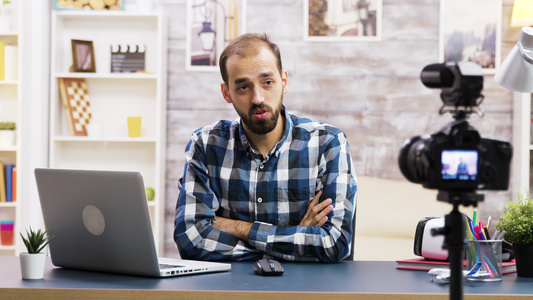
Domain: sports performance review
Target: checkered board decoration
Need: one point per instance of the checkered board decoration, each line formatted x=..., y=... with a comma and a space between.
x=75, y=98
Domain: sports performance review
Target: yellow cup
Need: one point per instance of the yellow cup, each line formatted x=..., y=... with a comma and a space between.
x=134, y=127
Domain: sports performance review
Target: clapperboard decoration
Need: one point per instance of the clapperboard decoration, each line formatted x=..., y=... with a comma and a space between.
x=127, y=58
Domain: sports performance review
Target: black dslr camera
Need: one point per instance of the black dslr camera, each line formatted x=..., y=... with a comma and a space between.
x=456, y=158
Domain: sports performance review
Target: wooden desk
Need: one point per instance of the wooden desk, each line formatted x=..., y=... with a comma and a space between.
x=345, y=280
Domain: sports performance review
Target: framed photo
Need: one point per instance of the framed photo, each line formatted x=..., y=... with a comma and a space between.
x=211, y=25
x=83, y=56
x=468, y=36
x=347, y=20
x=92, y=5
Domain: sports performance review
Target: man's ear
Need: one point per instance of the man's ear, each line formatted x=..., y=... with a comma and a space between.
x=285, y=81
x=225, y=92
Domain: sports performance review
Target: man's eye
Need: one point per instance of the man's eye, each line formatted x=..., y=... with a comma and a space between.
x=242, y=88
x=269, y=82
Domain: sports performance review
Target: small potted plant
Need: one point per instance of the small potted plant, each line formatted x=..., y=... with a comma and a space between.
x=7, y=134
x=32, y=262
x=517, y=222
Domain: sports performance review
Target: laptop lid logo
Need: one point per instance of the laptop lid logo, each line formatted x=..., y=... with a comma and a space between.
x=93, y=219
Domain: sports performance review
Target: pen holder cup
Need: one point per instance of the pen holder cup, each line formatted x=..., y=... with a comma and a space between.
x=484, y=260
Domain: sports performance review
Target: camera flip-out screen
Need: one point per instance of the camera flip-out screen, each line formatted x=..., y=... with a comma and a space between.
x=459, y=165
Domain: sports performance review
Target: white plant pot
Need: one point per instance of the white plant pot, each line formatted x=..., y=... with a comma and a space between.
x=7, y=138
x=32, y=265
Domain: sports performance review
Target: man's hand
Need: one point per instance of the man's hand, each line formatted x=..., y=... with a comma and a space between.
x=316, y=214
x=239, y=229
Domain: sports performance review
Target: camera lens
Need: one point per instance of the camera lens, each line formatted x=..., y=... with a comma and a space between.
x=412, y=161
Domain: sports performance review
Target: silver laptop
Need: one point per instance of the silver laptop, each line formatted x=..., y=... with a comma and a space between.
x=100, y=222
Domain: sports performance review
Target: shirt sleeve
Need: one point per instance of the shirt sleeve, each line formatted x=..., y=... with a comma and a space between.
x=195, y=214
x=332, y=241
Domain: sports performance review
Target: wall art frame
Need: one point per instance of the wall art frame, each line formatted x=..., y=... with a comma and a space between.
x=211, y=25
x=341, y=21
x=468, y=36
x=83, y=56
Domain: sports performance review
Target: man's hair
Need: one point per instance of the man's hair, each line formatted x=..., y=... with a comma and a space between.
x=245, y=44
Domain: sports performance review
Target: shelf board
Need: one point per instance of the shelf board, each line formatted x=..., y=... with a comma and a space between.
x=103, y=140
x=8, y=82
x=8, y=149
x=107, y=75
x=8, y=204
x=8, y=33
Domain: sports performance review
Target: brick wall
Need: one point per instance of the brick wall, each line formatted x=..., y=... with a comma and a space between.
x=371, y=90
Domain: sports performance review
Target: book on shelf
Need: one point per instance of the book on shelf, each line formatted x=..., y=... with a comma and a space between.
x=3, y=197
x=2, y=59
x=8, y=182
x=422, y=264
x=10, y=62
x=14, y=184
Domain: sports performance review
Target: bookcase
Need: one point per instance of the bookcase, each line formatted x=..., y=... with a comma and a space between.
x=11, y=111
x=113, y=97
x=522, y=143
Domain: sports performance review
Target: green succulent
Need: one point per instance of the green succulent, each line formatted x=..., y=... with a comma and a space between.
x=35, y=241
x=517, y=220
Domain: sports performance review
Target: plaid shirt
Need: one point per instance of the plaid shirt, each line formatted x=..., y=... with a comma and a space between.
x=224, y=176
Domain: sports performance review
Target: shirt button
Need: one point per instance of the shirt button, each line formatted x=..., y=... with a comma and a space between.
x=261, y=166
x=259, y=200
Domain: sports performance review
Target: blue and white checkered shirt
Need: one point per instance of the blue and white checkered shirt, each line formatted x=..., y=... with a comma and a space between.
x=224, y=176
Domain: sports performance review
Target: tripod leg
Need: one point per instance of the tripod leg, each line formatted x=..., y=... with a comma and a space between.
x=454, y=240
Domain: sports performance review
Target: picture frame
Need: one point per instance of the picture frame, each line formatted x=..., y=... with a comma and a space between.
x=211, y=25
x=342, y=21
x=88, y=5
x=467, y=36
x=83, y=59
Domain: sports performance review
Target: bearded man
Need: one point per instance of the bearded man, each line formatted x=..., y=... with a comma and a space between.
x=268, y=184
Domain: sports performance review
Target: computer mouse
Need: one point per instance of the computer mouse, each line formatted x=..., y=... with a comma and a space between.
x=268, y=267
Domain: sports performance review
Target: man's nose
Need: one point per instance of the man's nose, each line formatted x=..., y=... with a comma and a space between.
x=258, y=97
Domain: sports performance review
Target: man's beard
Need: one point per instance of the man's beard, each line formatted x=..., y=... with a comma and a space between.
x=261, y=126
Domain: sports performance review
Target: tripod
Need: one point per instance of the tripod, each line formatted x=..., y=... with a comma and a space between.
x=454, y=235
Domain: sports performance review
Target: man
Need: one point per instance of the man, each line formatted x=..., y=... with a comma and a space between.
x=268, y=183
x=462, y=167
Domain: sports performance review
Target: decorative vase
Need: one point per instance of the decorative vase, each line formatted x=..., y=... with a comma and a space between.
x=32, y=265
x=524, y=260
x=7, y=138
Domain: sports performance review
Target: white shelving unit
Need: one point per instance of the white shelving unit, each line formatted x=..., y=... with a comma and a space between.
x=114, y=97
x=522, y=142
x=11, y=111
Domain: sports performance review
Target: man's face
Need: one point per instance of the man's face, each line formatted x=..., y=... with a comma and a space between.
x=255, y=88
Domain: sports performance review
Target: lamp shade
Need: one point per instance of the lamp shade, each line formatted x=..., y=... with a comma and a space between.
x=522, y=13
x=516, y=71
